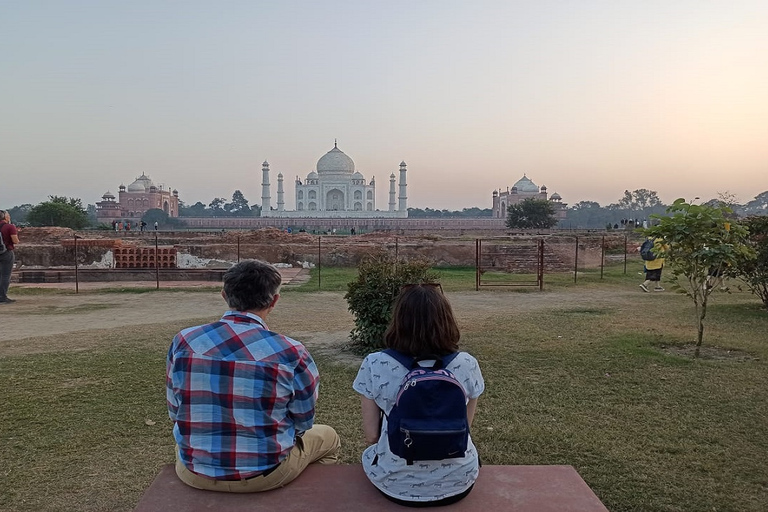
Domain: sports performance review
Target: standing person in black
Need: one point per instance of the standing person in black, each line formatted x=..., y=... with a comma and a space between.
x=10, y=238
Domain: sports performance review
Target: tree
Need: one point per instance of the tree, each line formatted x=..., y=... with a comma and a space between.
x=19, y=213
x=371, y=296
x=754, y=270
x=59, y=211
x=639, y=199
x=239, y=205
x=697, y=239
x=758, y=206
x=217, y=205
x=196, y=210
x=531, y=213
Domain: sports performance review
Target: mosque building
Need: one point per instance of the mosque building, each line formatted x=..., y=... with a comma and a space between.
x=134, y=201
x=523, y=189
x=335, y=190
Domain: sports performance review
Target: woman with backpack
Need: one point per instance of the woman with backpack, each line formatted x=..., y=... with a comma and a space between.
x=653, y=263
x=420, y=453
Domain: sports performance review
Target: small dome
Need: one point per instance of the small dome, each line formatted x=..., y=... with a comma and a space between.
x=141, y=184
x=335, y=161
x=108, y=195
x=312, y=175
x=358, y=176
x=526, y=185
x=555, y=197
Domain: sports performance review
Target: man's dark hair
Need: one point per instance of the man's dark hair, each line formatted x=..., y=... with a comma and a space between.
x=422, y=323
x=251, y=284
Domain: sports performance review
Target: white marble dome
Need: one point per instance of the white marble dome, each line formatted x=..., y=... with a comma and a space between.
x=526, y=185
x=335, y=161
x=141, y=184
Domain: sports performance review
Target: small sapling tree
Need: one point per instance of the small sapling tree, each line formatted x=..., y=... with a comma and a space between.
x=699, y=240
x=371, y=296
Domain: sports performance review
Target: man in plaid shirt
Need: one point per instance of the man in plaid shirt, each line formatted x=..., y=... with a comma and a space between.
x=242, y=398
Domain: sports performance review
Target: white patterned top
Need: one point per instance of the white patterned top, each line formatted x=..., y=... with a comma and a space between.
x=379, y=379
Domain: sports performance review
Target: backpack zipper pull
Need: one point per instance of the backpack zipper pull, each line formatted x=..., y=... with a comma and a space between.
x=407, y=441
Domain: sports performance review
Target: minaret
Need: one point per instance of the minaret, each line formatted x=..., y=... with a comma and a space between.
x=392, y=192
x=265, y=199
x=280, y=202
x=403, y=198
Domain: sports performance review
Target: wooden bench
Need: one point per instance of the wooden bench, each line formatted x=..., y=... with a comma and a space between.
x=345, y=487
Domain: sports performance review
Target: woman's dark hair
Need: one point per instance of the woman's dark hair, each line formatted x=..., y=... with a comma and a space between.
x=251, y=284
x=422, y=322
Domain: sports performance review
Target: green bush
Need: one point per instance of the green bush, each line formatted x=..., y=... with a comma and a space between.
x=754, y=270
x=370, y=298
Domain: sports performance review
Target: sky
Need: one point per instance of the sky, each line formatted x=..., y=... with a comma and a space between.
x=589, y=98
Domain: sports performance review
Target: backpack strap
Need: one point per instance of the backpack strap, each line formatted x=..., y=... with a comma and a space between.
x=411, y=362
x=450, y=357
x=401, y=358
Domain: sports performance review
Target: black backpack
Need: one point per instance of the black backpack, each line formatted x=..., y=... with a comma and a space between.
x=3, y=248
x=646, y=250
x=429, y=418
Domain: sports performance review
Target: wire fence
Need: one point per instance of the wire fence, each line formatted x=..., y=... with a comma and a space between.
x=521, y=260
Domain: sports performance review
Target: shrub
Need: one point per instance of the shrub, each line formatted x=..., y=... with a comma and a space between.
x=695, y=240
x=370, y=298
x=754, y=270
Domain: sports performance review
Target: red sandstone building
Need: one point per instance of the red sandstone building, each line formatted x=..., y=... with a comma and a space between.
x=524, y=189
x=134, y=201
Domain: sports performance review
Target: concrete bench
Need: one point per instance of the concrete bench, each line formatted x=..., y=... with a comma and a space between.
x=345, y=487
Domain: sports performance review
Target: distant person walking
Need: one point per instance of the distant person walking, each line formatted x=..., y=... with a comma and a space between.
x=653, y=264
x=10, y=237
x=155, y=225
x=142, y=225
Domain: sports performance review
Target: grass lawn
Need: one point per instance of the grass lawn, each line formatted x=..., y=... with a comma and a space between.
x=593, y=374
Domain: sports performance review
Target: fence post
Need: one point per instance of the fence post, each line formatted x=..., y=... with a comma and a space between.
x=602, y=257
x=541, y=265
x=77, y=284
x=477, y=264
x=319, y=264
x=625, y=254
x=157, y=262
x=576, y=261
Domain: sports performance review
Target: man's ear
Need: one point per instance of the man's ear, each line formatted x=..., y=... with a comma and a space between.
x=224, y=296
x=274, y=300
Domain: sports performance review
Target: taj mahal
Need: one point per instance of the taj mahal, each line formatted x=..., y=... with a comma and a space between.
x=334, y=190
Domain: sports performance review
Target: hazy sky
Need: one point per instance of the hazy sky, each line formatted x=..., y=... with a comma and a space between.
x=587, y=97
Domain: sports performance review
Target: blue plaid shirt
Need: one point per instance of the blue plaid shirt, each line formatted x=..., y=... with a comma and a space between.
x=238, y=395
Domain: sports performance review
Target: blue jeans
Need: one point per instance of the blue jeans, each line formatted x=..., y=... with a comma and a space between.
x=6, y=267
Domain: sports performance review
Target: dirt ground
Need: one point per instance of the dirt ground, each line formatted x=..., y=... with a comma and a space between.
x=317, y=319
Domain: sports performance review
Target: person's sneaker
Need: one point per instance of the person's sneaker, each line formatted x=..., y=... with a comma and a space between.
x=7, y=301
x=644, y=288
x=658, y=289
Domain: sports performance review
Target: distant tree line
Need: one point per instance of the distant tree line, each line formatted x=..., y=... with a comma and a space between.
x=219, y=207
x=636, y=205
x=429, y=213
x=641, y=204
